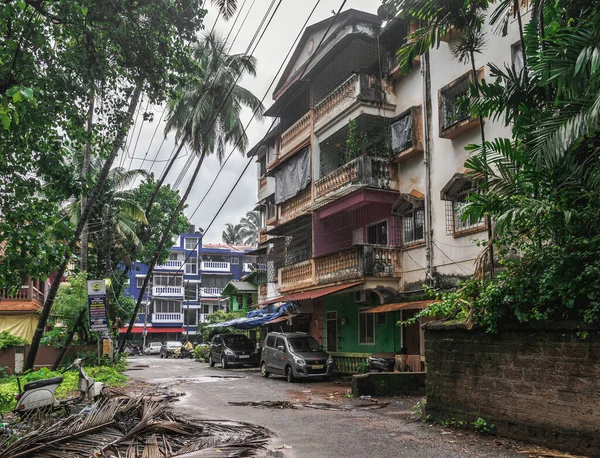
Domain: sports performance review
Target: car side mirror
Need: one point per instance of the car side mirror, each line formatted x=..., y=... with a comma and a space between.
x=281, y=348
x=321, y=348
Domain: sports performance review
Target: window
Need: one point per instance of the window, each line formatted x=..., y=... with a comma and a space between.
x=235, y=260
x=381, y=318
x=191, y=265
x=215, y=281
x=164, y=306
x=453, y=108
x=127, y=283
x=205, y=308
x=414, y=226
x=402, y=133
x=190, y=317
x=517, y=57
x=366, y=328
x=191, y=291
x=458, y=205
x=139, y=282
x=173, y=257
x=262, y=167
x=270, y=208
x=279, y=342
x=271, y=341
x=191, y=243
x=167, y=280
x=271, y=153
x=377, y=233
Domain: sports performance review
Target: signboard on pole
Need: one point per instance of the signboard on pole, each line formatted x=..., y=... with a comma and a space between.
x=97, y=305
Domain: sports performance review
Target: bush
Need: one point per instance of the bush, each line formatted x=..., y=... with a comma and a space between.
x=8, y=340
x=201, y=353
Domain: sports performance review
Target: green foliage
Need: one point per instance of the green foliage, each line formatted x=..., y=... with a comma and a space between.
x=201, y=353
x=8, y=340
x=70, y=301
x=419, y=410
x=482, y=426
x=217, y=317
x=356, y=141
x=453, y=423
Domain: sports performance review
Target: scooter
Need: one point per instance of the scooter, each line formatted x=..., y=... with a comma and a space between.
x=40, y=394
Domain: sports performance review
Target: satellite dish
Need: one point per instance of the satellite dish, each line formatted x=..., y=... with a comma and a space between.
x=383, y=13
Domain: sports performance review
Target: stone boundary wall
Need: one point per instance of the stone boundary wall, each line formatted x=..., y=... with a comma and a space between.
x=45, y=357
x=540, y=385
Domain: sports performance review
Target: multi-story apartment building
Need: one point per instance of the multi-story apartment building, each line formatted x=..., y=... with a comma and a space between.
x=362, y=184
x=187, y=287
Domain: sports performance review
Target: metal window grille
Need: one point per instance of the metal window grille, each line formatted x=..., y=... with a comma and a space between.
x=191, y=291
x=402, y=133
x=165, y=306
x=414, y=226
x=139, y=282
x=298, y=245
x=460, y=201
x=167, y=280
x=454, y=110
x=191, y=243
x=377, y=234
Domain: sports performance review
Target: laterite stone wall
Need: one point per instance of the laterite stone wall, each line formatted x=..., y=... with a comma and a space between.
x=540, y=385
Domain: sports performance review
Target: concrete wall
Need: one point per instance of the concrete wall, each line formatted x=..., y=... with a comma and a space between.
x=540, y=385
x=45, y=357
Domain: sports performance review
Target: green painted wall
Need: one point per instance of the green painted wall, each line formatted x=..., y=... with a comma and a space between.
x=233, y=302
x=388, y=336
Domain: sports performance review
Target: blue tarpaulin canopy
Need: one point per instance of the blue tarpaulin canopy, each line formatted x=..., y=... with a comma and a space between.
x=256, y=318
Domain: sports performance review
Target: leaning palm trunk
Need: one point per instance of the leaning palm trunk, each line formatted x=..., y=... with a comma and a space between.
x=85, y=213
x=163, y=240
x=85, y=168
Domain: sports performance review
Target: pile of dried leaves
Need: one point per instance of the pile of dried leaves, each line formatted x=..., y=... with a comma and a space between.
x=140, y=426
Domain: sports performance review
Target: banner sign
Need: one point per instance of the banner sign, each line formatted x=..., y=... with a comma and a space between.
x=97, y=305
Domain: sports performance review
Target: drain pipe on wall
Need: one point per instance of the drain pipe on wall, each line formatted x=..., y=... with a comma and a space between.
x=426, y=119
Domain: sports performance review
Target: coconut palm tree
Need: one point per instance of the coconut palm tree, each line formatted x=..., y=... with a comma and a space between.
x=250, y=227
x=232, y=235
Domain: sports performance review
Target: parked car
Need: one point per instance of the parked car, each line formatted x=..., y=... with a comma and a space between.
x=169, y=348
x=232, y=350
x=153, y=348
x=295, y=355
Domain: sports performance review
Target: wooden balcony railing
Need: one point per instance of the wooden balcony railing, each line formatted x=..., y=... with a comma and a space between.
x=23, y=294
x=344, y=266
x=364, y=170
x=293, y=207
x=297, y=276
x=297, y=135
x=262, y=236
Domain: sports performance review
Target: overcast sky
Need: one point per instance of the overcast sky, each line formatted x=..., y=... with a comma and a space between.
x=273, y=48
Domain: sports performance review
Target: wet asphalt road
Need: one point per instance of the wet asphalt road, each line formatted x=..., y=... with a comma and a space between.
x=308, y=433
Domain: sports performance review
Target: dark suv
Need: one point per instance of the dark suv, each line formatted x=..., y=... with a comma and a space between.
x=295, y=355
x=232, y=349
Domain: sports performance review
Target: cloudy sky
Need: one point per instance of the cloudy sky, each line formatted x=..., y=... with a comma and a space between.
x=271, y=51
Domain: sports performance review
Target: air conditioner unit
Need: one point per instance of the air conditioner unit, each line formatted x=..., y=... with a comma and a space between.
x=360, y=296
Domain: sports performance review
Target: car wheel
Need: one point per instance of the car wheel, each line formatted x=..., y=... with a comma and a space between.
x=224, y=364
x=211, y=362
x=263, y=370
x=289, y=374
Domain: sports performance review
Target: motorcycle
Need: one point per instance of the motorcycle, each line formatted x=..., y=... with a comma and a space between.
x=182, y=353
x=40, y=394
x=134, y=350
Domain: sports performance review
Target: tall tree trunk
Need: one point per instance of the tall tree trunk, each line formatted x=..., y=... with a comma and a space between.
x=85, y=213
x=85, y=168
x=165, y=173
x=65, y=346
x=165, y=237
x=488, y=219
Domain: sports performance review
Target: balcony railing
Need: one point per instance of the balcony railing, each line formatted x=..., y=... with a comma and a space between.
x=294, y=207
x=211, y=292
x=24, y=293
x=215, y=266
x=248, y=267
x=169, y=265
x=168, y=291
x=343, y=266
x=167, y=317
x=296, y=135
x=203, y=317
x=368, y=171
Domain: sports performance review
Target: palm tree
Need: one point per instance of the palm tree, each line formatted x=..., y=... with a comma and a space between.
x=227, y=8
x=232, y=235
x=250, y=227
x=206, y=113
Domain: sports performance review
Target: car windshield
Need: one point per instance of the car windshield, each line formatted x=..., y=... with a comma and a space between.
x=155, y=344
x=236, y=341
x=303, y=344
x=174, y=344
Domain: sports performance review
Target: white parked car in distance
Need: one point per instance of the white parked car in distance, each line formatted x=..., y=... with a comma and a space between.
x=153, y=348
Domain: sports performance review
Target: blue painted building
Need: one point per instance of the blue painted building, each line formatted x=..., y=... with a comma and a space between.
x=187, y=287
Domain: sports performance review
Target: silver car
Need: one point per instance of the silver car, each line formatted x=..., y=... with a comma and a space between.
x=295, y=355
x=153, y=348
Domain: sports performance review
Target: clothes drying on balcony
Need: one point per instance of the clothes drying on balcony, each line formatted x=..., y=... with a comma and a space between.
x=257, y=318
x=292, y=176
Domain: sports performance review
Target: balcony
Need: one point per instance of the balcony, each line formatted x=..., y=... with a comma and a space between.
x=167, y=318
x=169, y=265
x=344, y=266
x=248, y=267
x=215, y=266
x=203, y=317
x=168, y=291
x=25, y=293
x=366, y=171
x=359, y=88
x=210, y=292
x=295, y=206
x=296, y=136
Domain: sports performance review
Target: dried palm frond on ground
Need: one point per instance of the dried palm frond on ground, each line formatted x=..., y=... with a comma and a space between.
x=135, y=427
x=309, y=405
